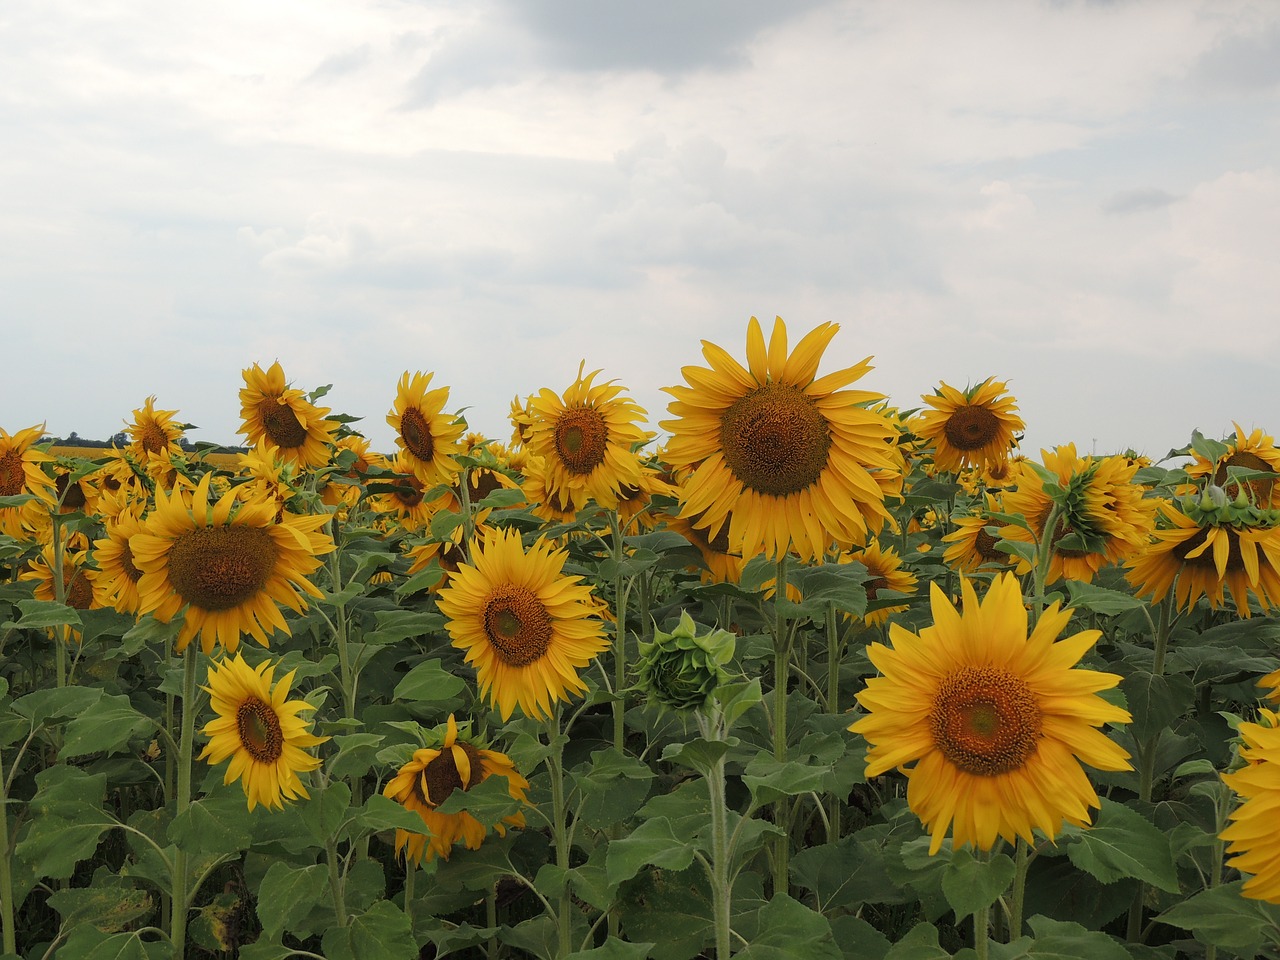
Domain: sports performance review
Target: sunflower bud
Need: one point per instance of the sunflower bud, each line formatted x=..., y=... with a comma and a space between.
x=680, y=670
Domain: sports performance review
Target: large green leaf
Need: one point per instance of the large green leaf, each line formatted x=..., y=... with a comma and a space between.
x=970, y=884
x=107, y=904
x=1225, y=918
x=1123, y=843
x=788, y=930
x=429, y=682
x=104, y=726
x=287, y=894
x=38, y=614
x=612, y=787
x=653, y=843
x=920, y=943
x=1059, y=940
x=614, y=949
x=383, y=933
x=214, y=826
x=44, y=705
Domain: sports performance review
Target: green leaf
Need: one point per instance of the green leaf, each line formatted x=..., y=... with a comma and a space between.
x=43, y=613
x=788, y=930
x=672, y=909
x=325, y=812
x=105, y=726
x=1121, y=844
x=1224, y=917
x=383, y=813
x=396, y=625
x=844, y=874
x=858, y=939
x=612, y=787
x=489, y=801
x=653, y=843
x=737, y=698
x=1156, y=701
x=382, y=933
x=1060, y=940
x=87, y=942
x=67, y=821
x=107, y=905
x=835, y=583
x=614, y=949
x=45, y=705
x=921, y=943
x=356, y=754
x=969, y=884
x=1101, y=600
x=214, y=826
x=701, y=755
x=768, y=780
x=428, y=682
x=287, y=894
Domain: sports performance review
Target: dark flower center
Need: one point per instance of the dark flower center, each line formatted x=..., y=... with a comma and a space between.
x=517, y=625
x=219, y=568
x=971, y=428
x=415, y=431
x=281, y=424
x=259, y=730
x=985, y=720
x=775, y=440
x=582, y=437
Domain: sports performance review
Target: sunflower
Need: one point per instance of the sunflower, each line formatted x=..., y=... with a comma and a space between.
x=525, y=627
x=428, y=438
x=797, y=462
x=1251, y=835
x=283, y=415
x=1254, y=451
x=1204, y=552
x=258, y=727
x=118, y=576
x=354, y=450
x=431, y=777
x=403, y=495
x=80, y=588
x=230, y=565
x=552, y=507
x=153, y=431
x=719, y=565
x=971, y=427
x=884, y=569
x=635, y=503
x=21, y=473
x=993, y=722
x=973, y=547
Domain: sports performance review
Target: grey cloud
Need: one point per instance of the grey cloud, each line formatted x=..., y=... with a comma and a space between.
x=1138, y=201
x=340, y=64
x=1243, y=60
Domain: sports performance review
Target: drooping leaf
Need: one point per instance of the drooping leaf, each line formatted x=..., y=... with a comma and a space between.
x=653, y=843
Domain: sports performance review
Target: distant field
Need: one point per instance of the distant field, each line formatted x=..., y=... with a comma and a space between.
x=225, y=461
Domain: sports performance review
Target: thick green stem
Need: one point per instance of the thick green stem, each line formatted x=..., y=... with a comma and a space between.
x=834, y=655
x=491, y=921
x=335, y=881
x=410, y=876
x=1044, y=557
x=721, y=886
x=619, y=639
x=1021, y=861
x=62, y=634
x=560, y=833
x=6, y=871
x=181, y=895
x=981, y=940
x=781, y=671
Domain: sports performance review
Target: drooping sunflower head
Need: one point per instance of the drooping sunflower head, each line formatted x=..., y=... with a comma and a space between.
x=554, y=507
x=525, y=626
x=971, y=427
x=988, y=721
x=797, y=461
x=229, y=565
x=258, y=728
x=450, y=761
x=153, y=431
x=429, y=438
x=284, y=417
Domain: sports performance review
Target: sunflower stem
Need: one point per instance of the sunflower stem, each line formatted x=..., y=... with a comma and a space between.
x=1021, y=861
x=491, y=921
x=781, y=671
x=712, y=727
x=619, y=638
x=410, y=875
x=60, y=595
x=178, y=919
x=6, y=870
x=834, y=654
x=1044, y=556
x=335, y=881
x=981, y=941
x=559, y=830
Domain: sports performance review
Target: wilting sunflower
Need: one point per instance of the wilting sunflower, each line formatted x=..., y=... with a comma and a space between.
x=1251, y=835
x=284, y=416
x=1253, y=451
x=586, y=440
x=796, y=461
x=971, y=427
x=153, y=431
x=258, y=727
x=430, y=778
x=524, y=626
x=993, y=722
x=118, y=577
x=1208, y=552
x=428, y=437
x=21, y=473
x=884, y=569
x=230, y=565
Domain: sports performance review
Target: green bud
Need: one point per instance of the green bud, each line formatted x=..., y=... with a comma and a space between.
x=680, y=670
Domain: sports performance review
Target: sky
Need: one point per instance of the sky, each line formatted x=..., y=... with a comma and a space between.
x=1081, y=199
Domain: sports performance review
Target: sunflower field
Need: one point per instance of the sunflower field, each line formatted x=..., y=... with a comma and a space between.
x=790, y=674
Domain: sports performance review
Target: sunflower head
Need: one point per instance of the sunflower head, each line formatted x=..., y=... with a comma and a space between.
x=153, y=431
x=1251, y=836
x=284, y=417
x=429, y=439
x=680, y=670
x=1254, y=453
x=972, y=427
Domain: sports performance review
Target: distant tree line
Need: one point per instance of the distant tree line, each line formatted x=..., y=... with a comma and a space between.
x=121, y=439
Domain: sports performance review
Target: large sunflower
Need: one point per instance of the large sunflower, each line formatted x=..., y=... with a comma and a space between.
x=973, y=427
x=586, y=439
x=525, y=627
x=1251, y=836
x=258, y=727
x=1207, y=554
x=428, y=437
x=230, y=565
x=21, y=473
x=153, y=431
x=273, y=410
x=795, y=460
x=1252, y=451
x=430, y=778
x=993, y=722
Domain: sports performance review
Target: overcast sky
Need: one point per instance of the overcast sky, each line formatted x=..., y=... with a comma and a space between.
x=1082, y=198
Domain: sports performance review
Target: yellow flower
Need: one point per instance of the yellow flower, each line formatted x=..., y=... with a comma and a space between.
x=428, y=438
x=153, y=431
x=784, y=460
x=884, y=568
x=973, y=548
x=1253, y=451
x=80, y=588
x=258, y=727
x=118, y=576
x=21, y=473
x=284, y=417
x=230, y=569
x=1251, y=835
x=524, y=626
x=988, y=723
x=974, y=427
x=431, y=777
x=586, y=440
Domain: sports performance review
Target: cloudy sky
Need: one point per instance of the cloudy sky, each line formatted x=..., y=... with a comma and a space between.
x=1082, y=198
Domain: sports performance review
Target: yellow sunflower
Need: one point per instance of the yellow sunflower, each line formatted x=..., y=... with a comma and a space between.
x=586, y=440
x=1205, y=556
x=118, y=576
x=229, y=565
x=972, y=427
x=80, y=588
x=431, y=777
x=786, y=461
x=1253, y=451
x=552, y=507
x=973, y=548
x=21, y=473
x=428, y=438
x=525, y=627
x=993, y=723
x=403, y=496
x=271, y=409
x=258, y=727
x=719, y=565
x=1251, y=835
x=153, y=431
x=884, y=568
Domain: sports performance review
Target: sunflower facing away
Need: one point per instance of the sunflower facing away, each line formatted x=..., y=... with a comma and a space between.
x=428, y=437
x=230, y=565
x=430, y=778
x=586, y=439
x=973, y=427
x=993, y=722
x=1251, y=835
x=524, y=626
x=258, y=727
x=794, y=459
x=285, y=417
